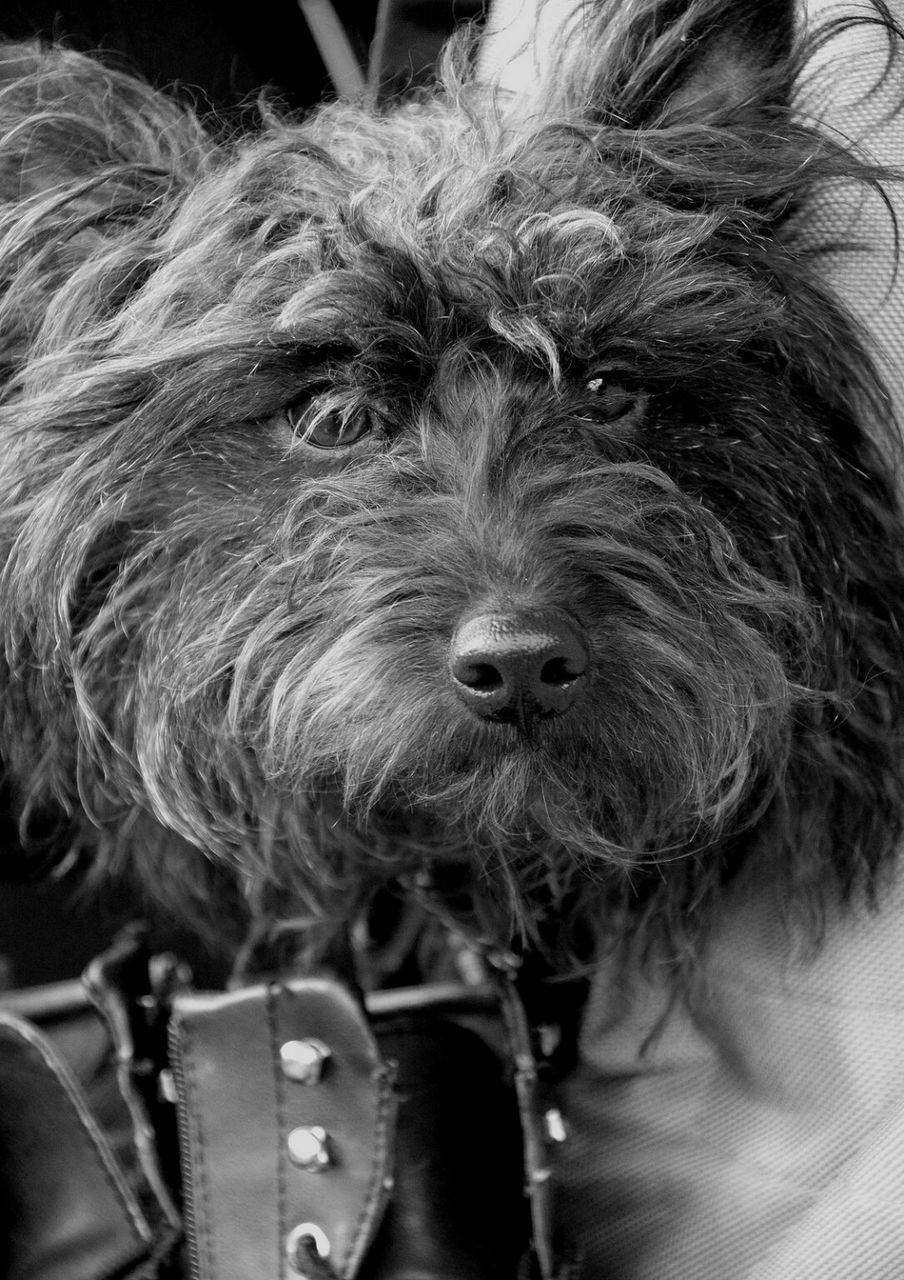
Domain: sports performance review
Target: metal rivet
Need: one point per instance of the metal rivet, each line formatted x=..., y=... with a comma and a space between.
x=299, y=1243
x=304, y=1060
x=309, y=1148
x=555, y=1125
x=550, y=1038
x=166, y=1086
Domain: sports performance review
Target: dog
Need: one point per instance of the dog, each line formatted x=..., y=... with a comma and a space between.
x=440, y=492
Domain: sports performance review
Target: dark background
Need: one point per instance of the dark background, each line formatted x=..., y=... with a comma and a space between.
x=226, y=50
x=222, y=55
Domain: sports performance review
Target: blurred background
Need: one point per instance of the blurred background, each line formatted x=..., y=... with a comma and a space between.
x=229, y=51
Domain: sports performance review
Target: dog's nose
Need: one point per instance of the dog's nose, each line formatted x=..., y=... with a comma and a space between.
x=516, y=667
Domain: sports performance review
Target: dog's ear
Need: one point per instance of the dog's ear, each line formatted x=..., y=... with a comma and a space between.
x=69, y=119
x=643, y=63
x=88, y=155
x=730, y=60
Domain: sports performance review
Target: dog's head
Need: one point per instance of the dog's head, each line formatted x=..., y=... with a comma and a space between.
x=450, y=483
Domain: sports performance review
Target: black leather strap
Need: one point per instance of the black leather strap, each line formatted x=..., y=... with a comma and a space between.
x=71, y=1215
x=267, y=1079
x=283, y=1176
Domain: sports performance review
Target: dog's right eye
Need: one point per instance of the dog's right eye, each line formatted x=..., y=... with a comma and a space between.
x=614, y=398
x=330, y=428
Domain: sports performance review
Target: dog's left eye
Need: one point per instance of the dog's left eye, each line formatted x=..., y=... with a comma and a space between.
x=613, y=399
x=330, y=428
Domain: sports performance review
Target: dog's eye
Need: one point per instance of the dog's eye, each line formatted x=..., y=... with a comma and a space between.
x=330, y=428
x=613, y=399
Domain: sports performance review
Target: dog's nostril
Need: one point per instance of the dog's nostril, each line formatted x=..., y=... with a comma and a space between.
x=480, y=676
x=514, y=667
x=563, y=670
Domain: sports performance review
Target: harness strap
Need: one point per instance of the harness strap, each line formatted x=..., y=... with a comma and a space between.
x=287, y=1115
x=70, y=1213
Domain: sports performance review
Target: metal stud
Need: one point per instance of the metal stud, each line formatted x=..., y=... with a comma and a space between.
x=550, y=1037
x=303, y=1241
x=304, y=1060
x=309, y=1148
x=166, y=1086
x=555, y=1125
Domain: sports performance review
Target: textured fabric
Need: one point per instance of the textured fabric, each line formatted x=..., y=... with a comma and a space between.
x=849, y=94
x=755, y=1132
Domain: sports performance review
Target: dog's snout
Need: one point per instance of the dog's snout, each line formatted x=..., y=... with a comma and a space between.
x=516, y=666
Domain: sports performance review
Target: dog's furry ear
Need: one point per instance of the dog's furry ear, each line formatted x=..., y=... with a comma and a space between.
x=66, y=117
x=734, y=62
x=649, y=63
x=88, y=155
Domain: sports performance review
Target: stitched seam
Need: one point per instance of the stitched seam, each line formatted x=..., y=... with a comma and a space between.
x=203, y=1219
x=375, y=1185
x=280, y=1096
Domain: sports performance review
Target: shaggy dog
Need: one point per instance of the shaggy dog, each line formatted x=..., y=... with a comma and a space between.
x=439, y=492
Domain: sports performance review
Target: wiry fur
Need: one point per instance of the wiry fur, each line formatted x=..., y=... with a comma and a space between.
x=222, y=641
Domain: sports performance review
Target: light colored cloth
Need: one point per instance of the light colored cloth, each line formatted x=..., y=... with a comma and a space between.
x=756, y=1133
x=839, y=96
x=517, y=40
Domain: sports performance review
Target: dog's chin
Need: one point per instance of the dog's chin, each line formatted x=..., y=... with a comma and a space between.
x=534, y=744
x=528, y=802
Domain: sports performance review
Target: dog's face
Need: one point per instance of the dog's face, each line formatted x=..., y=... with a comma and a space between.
x=429, y=486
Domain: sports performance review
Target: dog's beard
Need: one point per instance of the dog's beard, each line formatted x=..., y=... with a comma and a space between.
x=649, y=768
x=682, y=730
x=289, y=708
